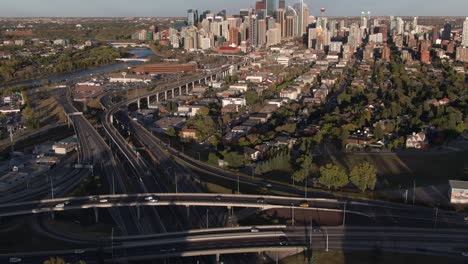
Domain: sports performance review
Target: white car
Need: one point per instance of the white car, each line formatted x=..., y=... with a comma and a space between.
x=60, y=205
x=103, y=201
x=149, y=198
x=79, y=251
x=15, y=260
x=254, y=230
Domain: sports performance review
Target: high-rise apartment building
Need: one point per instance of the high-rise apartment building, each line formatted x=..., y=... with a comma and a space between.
x=465, y=33
x=261, y=24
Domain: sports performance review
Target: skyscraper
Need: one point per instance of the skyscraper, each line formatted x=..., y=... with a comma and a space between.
x=261, y=32
x=447, y=33
x=192, y=17
x=270, y=7
x=465, y=33
x=282, y=4
x=280, y=20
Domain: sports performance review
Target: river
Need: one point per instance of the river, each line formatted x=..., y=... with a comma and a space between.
x=139, y=53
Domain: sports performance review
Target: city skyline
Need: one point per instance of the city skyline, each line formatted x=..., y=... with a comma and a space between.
x=119, y=8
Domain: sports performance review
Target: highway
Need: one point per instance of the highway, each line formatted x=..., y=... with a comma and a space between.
x=418, y=216
x=94, y=151
x=437, y=242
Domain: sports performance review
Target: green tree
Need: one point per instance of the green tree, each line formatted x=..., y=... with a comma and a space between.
x=171, y=132
x=364, y=176
x=333, y=176
x=378, y=132
x=234, y=159
x=251, y=97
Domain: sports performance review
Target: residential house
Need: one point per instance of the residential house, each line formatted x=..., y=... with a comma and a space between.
x=188, y=133
x=458, y=192
x=417, y=141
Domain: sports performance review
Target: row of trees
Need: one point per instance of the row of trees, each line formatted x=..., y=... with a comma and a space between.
x=363, y=176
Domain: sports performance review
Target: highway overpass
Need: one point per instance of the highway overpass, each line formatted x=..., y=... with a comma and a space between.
x=448, y=243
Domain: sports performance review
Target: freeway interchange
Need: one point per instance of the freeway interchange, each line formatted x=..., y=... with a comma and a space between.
x=150, y=194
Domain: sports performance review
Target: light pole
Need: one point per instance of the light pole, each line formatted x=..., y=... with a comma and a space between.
x=305, y=188
x=344, y=213
x=326, y=233
x=176, y=183
x=238, y=184
x=292, y=215
x=112, y=244
x=436, y=216
x=207, y=223
x=51, y=186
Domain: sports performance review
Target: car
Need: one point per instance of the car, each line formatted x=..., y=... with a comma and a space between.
x=103, y=201
x=261, y=200
x=304, y=204
x=218, y=198
x=268, y=185
x=60, y=205
x=283, y=240
x=79, y=251
x=15, y=260
x=254, y=230
x=464, y=254
x=466, y=218
x=149, y=198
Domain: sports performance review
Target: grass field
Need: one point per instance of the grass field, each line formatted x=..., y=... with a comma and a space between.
x=398, y=169
x=358, y=257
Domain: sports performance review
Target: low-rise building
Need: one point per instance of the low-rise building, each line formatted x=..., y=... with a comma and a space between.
x=417, y=141
x=458, y=192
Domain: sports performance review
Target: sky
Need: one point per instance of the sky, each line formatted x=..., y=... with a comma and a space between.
x=90, y=8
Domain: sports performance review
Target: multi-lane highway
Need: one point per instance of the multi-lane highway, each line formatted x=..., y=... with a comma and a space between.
x=418, y=215
x=449, y=243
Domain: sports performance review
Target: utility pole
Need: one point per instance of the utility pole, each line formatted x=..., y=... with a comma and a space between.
x=207, y=223
x=112, y=243
x=436, y=216
x=344, y=213
x=305, y=188
x=406, y=196
x=326, y=233
x=176, y=184
x=292, y=216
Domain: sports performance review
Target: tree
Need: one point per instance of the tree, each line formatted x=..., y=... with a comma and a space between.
x=171, y=132
x=251, y=97
x=234, y=159
x=333, y=176
x=53, y=260
x=378, y=132
x=364, y=176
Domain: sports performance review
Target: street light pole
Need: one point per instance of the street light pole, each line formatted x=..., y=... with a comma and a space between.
x=326, y=233
x=292, y=216
x=207, y=223
x=344, y=213
x=238, y=184
x=176, y=184
x=436, y=216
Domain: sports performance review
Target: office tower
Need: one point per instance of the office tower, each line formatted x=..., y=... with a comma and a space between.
x=302, y=13
x=260, y=6
x=204, y=15
x=234, y=36
x=465, y=33
x=289, y=26
x=392, y=23
x=386, y=53
x=270, y=7
x=271, y=23
x=415, y=23
x=400, y=26
x=192, y=17
x=435, y=34
x=243, y=14
x=280, y=20
x=282, y=4
x=261, y=24
x=447, y=33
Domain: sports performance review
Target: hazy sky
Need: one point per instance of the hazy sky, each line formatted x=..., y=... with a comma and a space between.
x=11, y=8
